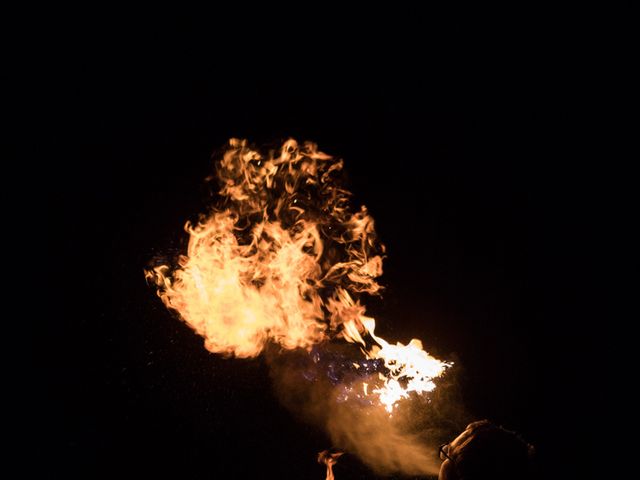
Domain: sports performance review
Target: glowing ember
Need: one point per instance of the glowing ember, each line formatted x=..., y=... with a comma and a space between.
x=329, y=459
x=283, y=259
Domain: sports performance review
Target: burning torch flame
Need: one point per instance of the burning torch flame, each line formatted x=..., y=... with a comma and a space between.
x=283, y=259
x=329, y=459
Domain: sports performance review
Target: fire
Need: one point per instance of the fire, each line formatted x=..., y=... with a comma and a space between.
x=329, y=459
x=284, y=259
x=408, y=364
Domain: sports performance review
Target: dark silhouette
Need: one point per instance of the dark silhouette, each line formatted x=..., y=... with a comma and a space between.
x=484, y=451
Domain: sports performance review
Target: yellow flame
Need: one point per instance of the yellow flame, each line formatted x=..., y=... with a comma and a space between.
x=283, y=260
x=237, y=296
x=406, y=364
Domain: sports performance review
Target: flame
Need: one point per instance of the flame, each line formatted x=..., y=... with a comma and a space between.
x=283, y=259
x=408, y=364
x=329, y=459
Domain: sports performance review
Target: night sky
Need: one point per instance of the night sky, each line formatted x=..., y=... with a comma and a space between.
x=457, y=137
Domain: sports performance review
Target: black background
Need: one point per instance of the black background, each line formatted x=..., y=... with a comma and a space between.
x=464, y=139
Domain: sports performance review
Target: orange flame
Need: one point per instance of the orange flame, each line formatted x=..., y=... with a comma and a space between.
x=283, y=260
x=329, y=459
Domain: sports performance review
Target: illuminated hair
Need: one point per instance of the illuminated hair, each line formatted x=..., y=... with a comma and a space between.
x=490, y=452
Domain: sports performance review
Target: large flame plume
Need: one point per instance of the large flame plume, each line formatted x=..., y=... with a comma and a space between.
x=283, y=258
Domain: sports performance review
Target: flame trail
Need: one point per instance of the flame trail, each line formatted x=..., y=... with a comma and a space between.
x=283, y=258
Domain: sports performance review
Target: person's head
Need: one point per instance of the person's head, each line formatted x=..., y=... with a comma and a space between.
x=486, y=451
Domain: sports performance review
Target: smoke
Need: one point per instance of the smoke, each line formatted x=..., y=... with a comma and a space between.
x=379, y=441
x=405, y=442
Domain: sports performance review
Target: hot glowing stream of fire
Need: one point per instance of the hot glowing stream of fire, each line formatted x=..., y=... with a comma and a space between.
x=283, y=258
